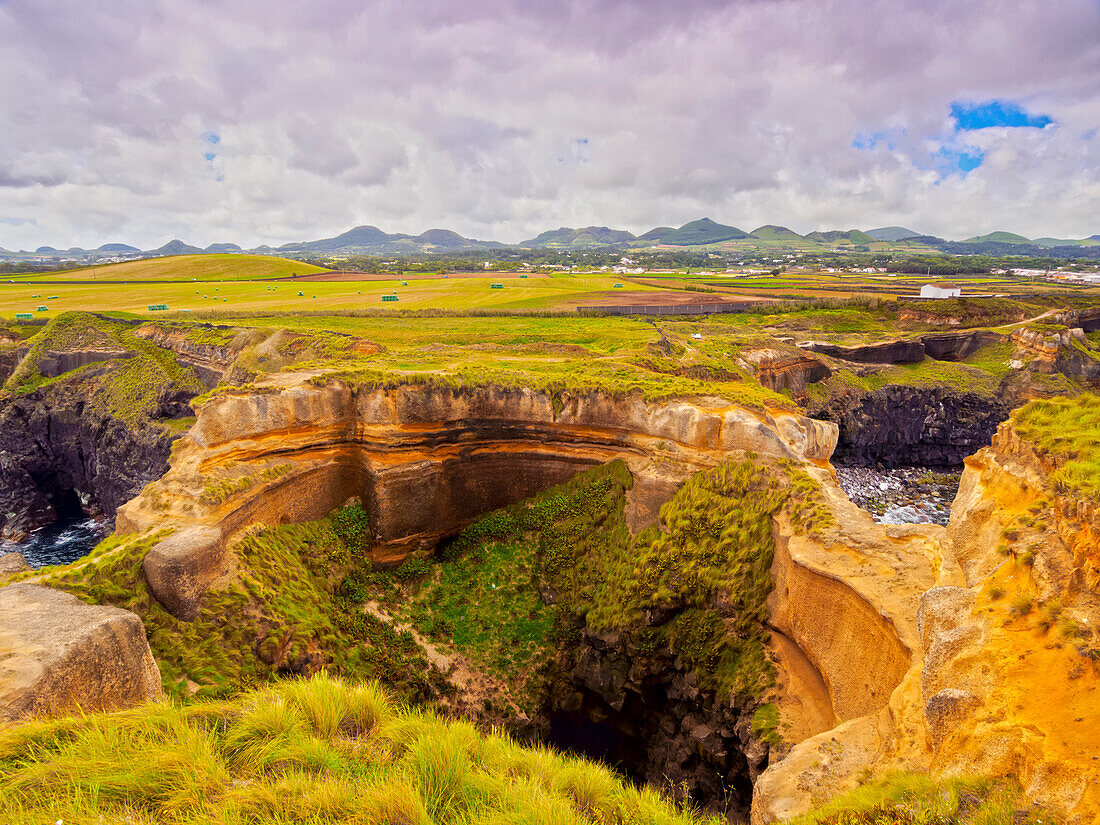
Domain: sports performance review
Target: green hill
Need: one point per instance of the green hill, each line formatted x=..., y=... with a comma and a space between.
x=771, y=232
x=587, y=236
x=444, y=238
x=854, y=236
x=1065, y=241
x=204, y=267
x=892, y=233
x=999, y=237
x=658, y=233
x=703, y=231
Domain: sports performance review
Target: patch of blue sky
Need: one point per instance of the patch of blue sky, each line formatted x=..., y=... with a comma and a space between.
x=213, y=138
x=971, y=115
x=209, y=155
x=951, y=160
x=869, y=141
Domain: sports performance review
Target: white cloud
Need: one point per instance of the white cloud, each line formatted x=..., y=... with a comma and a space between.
x=468, y=116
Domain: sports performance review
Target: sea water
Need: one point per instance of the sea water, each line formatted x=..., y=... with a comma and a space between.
x=61, y=542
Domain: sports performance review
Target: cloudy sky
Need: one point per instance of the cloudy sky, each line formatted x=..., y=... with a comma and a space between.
x=267, y=121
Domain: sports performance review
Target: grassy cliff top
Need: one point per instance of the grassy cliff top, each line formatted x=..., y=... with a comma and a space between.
x=1066, y=431
x=312, y=752
x=130, y=388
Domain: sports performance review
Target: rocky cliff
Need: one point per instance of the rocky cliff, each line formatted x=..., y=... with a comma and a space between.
x=998, y=614
x=58, y=451
x=1064, y=351
x=427, y=460
x=80, y=420
x=895, y=425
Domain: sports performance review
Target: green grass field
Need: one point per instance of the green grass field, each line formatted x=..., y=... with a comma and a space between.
x=186, y=268
x=562, y=291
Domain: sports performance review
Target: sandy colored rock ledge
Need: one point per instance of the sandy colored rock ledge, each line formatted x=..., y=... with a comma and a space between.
x=58, y=653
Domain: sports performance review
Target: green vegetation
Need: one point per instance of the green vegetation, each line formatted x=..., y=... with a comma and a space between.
x=918, y=799
x=704, y=568
x=702, y=231
x=1066, y=433
x=316, y=752
x=289, y=610
x=128, y=388
x=192, y=267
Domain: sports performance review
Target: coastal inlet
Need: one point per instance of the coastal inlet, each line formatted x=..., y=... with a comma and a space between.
x=60, y=542
x=902, y=495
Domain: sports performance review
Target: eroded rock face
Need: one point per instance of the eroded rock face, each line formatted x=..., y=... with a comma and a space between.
x=898, y=425
x=53, y=441
x=780, y=370
x=210, y=361
x=1006, y=692
x=426, y=461
x=57, y=653
x=1066, y=352
x=845, y=606
x=1001, y=624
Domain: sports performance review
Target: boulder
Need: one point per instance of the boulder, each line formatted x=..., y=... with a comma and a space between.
x=181, y=568
x=58, y=653
x=12, y=563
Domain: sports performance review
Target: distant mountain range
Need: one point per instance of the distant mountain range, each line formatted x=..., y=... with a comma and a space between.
x=702, y=232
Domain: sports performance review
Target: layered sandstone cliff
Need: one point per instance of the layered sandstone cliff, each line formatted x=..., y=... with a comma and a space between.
x=982, y=635
x=427, y=460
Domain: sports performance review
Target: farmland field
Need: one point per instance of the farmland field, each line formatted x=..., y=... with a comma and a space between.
x=186, y=268
x=563, y=291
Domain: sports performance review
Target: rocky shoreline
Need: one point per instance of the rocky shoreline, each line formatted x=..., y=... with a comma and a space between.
x=902, y=495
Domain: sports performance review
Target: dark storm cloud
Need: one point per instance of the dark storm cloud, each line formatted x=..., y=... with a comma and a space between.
x=470, y=115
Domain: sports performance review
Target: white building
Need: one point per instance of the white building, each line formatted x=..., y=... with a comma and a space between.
x=940, y=291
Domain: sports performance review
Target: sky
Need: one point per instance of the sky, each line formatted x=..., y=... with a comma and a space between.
x=270, y=121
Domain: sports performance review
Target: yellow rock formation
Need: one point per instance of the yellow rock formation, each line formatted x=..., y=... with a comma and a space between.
x=959, y=628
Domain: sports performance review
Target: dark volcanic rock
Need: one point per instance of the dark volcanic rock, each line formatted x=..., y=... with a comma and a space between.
x=9, y=360
x=954, y=346
x=54, y=444
x=646, y=713
x=885, y=352
x=898, y=425
x=53, y=364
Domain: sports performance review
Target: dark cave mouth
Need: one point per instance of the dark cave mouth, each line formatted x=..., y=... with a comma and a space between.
x=574, y=733
x=622, y=742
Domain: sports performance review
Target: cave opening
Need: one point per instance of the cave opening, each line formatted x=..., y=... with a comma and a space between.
x=600, y=741
x=67, y=505
x=655, y=741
